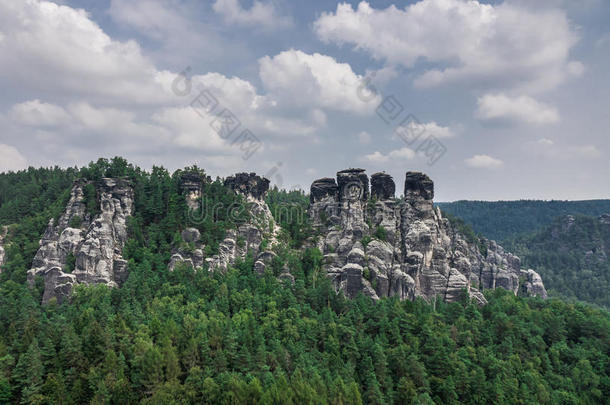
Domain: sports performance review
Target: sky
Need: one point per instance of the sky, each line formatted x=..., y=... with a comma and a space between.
x=494, y=100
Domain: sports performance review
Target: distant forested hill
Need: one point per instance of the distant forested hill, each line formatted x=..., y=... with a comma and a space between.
x=502, y=220
x=572, y=255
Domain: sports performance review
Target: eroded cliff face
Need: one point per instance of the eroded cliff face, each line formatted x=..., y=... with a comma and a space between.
x=248, y=236
x=383, y=246
x=93, y=249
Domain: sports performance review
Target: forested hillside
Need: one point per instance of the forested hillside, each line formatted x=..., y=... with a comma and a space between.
x=572, y=255
x=191, y=337
x=502, y=220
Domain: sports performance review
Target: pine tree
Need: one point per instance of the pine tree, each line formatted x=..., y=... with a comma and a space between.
x=5, y=391
x=28, y=374
x=405, y=392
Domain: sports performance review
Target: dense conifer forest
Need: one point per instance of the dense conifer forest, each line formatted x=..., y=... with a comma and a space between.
x=191, y=337
x=572, y=255
x=504, y=220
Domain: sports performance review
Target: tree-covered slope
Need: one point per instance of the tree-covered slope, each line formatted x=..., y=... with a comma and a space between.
x=30, y=192
x=502, y=220
x=191, y=337
x=572, y=255
x=185, y=337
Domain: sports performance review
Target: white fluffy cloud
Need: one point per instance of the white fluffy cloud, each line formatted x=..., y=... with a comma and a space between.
x=433, y=129
x=190, y=129
x=523, y=109
x=484, y=162
x=49, y=47
x=93, y=94
x=11, y=159
x=80, y=121
x=261, y=14
x=425, y=129
x=43, y=40
x=493, y=46
x=296, y=78
x=395, y=155
x=37, y=113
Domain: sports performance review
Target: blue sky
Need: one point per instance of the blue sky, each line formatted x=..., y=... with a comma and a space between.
x=515, y=93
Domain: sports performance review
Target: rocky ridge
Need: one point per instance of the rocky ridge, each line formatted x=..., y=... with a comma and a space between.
x=93, y=243
x=372, y=242
x=238, y=242
x=382, y=246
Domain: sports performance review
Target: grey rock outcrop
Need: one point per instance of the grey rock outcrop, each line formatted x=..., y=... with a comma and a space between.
x=191, y=235
x=248, y=184
x=3, y=233
x=191, y=184
x=263, y=260
x=323, y=188
x=193, y=256
x=382, y=186
x=388, y=247
x=247, y=237
x=532, y=284
x=418, y=185
x=95, y=247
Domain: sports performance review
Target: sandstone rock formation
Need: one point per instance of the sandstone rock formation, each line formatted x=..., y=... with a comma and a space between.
x=95, y=247
x=246, y=237
x=382, y=186
x=250, y=235
x=249, y=185
x=532, y=284
x=384, y=246
x=192, y=257
x=3, y=233
x=191, y=184
x=372, y=242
